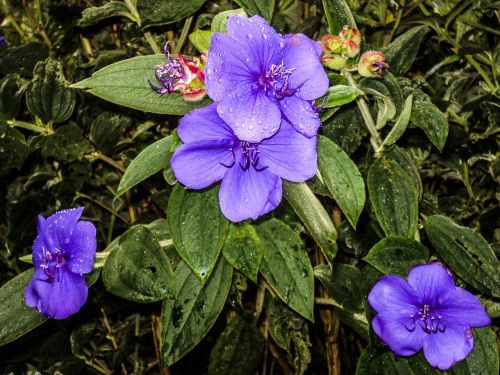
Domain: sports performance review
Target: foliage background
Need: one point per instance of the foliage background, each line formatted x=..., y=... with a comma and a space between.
x=61, y=147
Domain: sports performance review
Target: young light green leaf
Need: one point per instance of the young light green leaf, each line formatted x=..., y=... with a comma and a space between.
x=342, y=178
x=263, y=7
x=339, y=95
x=400, y=126
x=314, y=216
x=394, y=197
x=401, y=53
x=201, y=39
x=156, y=13
x=396, y=255
x=243, y=250
x=219, y=23
x=238, y=349
x=17, y=319
x=197, y=227
x=152, y=159
x=286, y=266
x=432, y=121
x=137, y=268
x=188, y=318
x=338, y=14
x=125, y=83
x=466, y=252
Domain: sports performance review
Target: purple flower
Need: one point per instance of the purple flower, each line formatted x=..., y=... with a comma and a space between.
x=63, y=251
x=428, y=311
x=257, y=76
x=251, y=172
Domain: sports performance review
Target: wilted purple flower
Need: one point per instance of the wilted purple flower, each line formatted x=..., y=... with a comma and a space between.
x=251, y=172
x=258, y=76
x=63, y=251
x=428, y=311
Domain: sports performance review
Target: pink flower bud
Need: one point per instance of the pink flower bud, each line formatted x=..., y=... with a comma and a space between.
x=334, y=61
x=332, y=43
x=372, y=64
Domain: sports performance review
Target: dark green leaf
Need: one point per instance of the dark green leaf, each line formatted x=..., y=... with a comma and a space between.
x=401, y=157
x=152, y=159
x=286, y=266
x=11, y=91
x=201, y=39
x=17, y=319
x=242, y=249
x=238, y=349
x=396, y=255
x=156, y=13
x=22, y=60
x=371, y=363
x=108, y=131
x=346, y=128
x=394, y=197
x=339, y=95
x=93, y=15
x=188, y=318
x=125, y=83
x=400, y=126
x=48, y=96
x=388, y=85
x=314, y=216
x=401, y=53
x=338, y=14
x=197, y=227
x=137, y=269
x=263, y=7
x=342, y=178
x=219, y=23
x=432, y=121
x=466, y=252
x=13, y=149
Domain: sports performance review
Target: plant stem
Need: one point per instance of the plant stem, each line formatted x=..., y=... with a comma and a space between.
x=365, y=112
x=184, y=34
x=27, y=125
x=152, y=43
x=481, y=72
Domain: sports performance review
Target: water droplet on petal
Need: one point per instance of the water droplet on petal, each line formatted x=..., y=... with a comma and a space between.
x=249, y=36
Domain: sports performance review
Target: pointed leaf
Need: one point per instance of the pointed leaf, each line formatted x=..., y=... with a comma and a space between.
x=201, y=39
x=339, y=95
x=400, y=126
x=401, y=53
x=337, y=14
x=432, y=121
x=156, y=13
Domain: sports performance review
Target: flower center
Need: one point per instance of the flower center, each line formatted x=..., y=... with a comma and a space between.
x=276, y=80
x=250, y=156
x=429, y=320
x=51, y=262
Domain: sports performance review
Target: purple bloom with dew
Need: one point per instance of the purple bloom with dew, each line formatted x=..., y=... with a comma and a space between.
x=251, y=172
x=257, y=77
x=63, y=251
x=426, y=312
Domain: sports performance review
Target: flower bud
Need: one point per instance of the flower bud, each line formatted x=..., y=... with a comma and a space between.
x=332, y=43
x=350, y=33
x=333, y=61
x=372, y=64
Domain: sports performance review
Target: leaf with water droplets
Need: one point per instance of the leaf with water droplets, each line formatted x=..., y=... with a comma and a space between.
x=188, y=318
x=156, y=13
x=198, y=227
x=286, y=266
x=338, y=14
x=432, y=121
x=16, y=319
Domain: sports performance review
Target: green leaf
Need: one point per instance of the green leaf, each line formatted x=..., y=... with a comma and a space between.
x=286, y=266
x=400, y=126
x=48, y=96
x=342, y=178
x=93, y=15
x=401, y=53
x=243, y=250
x=466, y=252
x=137, y=269
x=219, y=23
x=11, y=90
x=188, y=318
x=263, y=7
x=201, y=39
x=432, y=121
x=152, y=159
x=339, y=95
x=372, y=362
x=107, y=131
x=396, y=255
x=125, y=83
x=401, y=157
x=338, y=14
x=344, y=284
x=394, y=197
x=13, y=149
x=314, y=216
x=238, y=349
x=388, y=86
x=347, y=128
x=197, y=227
x=17, y=319
x=156, y=13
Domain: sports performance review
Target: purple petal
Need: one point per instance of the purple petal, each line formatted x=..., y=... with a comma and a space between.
x=431, y=281
x=200, y=164
x=301, y=114
x=249, y=194
x=59, y=299
x=444, y=349
x=43, y=242
x=61, y=225
x=308, y=77
x=80, y=251
x=203, y=124
x=396, y=335
x=289, y=154
x=251, y=114
x=392, y=294
x=460, y=307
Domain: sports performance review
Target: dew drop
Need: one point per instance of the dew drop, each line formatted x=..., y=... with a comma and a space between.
x=249, y=36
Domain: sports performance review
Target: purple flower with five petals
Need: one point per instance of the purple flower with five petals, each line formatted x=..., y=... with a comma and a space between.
x=257, y=77
x=251, y=172
x=428, y=311
x=63, y=251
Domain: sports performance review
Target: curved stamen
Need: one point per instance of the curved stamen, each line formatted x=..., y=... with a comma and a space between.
x=276, y=79
x=232, y=163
